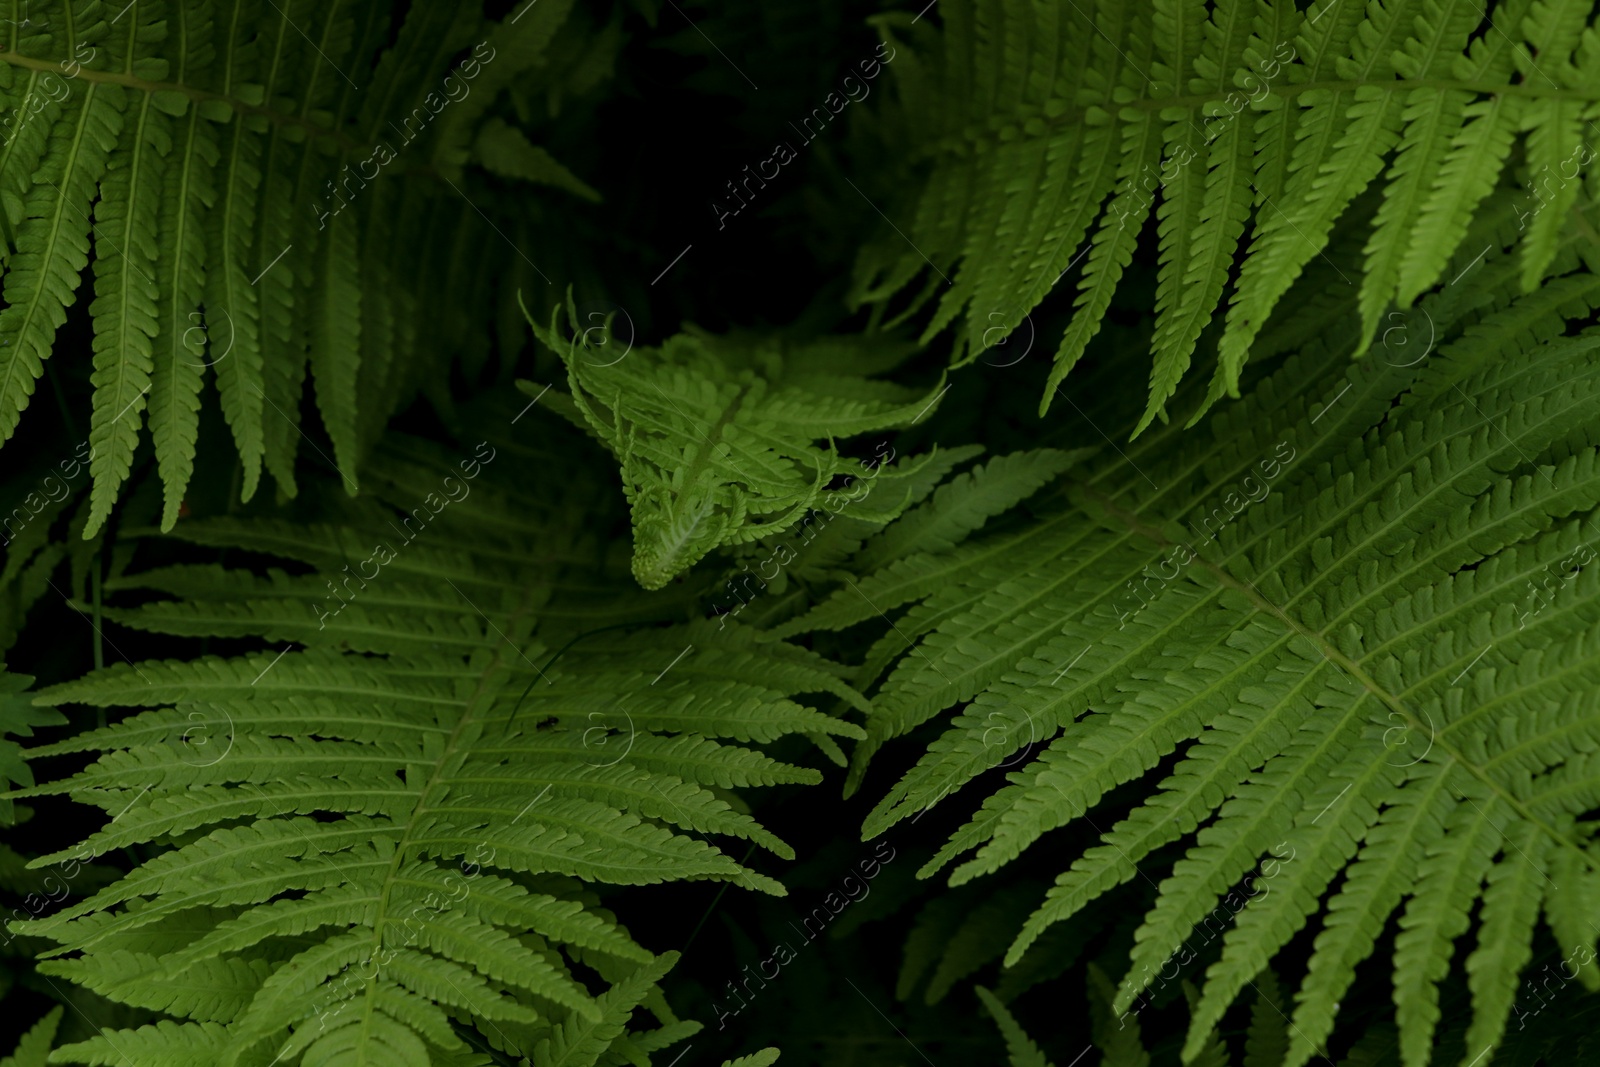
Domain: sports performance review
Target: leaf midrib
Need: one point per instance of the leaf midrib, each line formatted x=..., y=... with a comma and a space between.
x=195, y=95
x=973, y=141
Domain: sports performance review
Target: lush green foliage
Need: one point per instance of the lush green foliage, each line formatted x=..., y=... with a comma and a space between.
x=225, y=150
x=635, y=527
x=377, y=774
x=1033, y=114
x=1335, y=613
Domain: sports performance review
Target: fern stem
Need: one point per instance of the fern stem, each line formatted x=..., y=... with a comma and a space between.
x=144, y=85
x=446, y=752
x=714, y=902
x=970, y=140
x=99, y=632
x=99, y=644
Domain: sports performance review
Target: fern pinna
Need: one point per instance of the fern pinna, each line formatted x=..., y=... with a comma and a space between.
x=1047, y=134
x=1357, y=619
x=379, y=839
x=271, y=187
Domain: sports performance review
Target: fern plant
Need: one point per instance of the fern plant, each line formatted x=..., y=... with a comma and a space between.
x=716, y=437
x=1047, y=134
x=258, y=208
x=371, y=839
x=1253, y=742
x=1351, y=636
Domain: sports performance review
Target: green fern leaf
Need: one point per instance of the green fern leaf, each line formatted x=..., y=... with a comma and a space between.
x=1431, y=116
x=1120, y=1044
x=218, y=148
x=351, y=848
x=181, y=358
x=178, y=1044
x=1468, y=174
x=1248, y=127
x=53, y=242
x=1023, y=1052
x=580, y=1043
x=765, y=1058
x=18, y=717
x=336, y=342
x=1267, y=1041
x=1361, y=667
x=506, y=151
x=124, y=308
x=34, y=1048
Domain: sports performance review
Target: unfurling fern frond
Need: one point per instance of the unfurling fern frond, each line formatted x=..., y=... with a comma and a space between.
x=1356, y=624
x=1047, y=134
x=386, y=830
x=240, y=175
x=718, y=440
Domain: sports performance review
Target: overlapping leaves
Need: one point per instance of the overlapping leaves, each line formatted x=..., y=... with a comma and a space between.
x=245, y=182
x=1349, y=638
x=1047, y=134
x=381, y=836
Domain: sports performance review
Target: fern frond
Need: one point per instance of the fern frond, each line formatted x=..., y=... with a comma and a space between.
x=230, y=168
x=360, y=847
x=18, y=717
x=124, y=309
x=52, y=242
x=1246, y=128
x=581, y=1042
x=1356, y=624
x=765, y=1058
